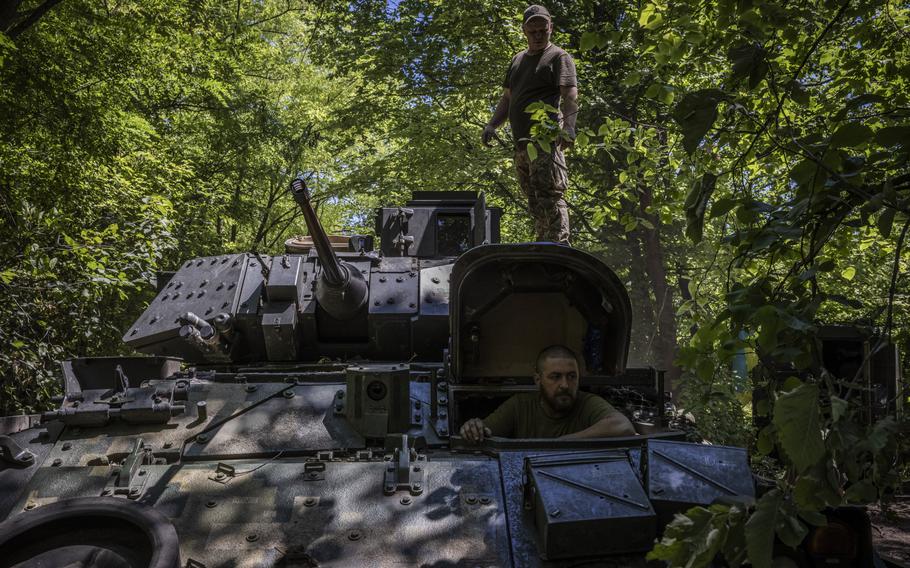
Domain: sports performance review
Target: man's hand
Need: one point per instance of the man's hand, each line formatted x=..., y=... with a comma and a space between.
x=474, y=430
x=489, y=132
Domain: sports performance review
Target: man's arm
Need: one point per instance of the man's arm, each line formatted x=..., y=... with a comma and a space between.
x=499, y=116
x=613, y=425
x=568, y=104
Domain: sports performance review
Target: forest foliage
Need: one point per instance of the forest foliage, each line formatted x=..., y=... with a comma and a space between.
x=742, y=164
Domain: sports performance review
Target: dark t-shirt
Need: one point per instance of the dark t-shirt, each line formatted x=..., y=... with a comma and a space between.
x=533, y=78
x=523, y=417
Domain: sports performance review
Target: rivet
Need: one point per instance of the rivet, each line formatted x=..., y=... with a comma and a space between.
x=220, y=475
x=555, y=513
x=224, y=260
x=201, y=294
x=355, y=535
x=376, y=303
x=382, y=278
x=189, y=294
x=252, y=537
x=485, y=500
x=165, y=297
x=251, y=388
x=168, y=445
x=309, y=501
x=204, y=282
x=399, y=279
x=434, y=280
x=288, y=394
x=199, y=263
x=30, y=505
x=202, y=438
x=417, y=487
x=142, y=472
x=442, y=384
x=443, y=400
x=178, y=286
x=471, y=500
x=339, y=408
x=211, y=504
x=312, y=475
x=405, y=500
x=67, y=446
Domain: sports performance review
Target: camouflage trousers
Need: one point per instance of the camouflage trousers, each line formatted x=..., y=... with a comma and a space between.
x=543, y=182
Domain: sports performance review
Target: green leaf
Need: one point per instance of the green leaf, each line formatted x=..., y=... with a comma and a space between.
x=532, y=151
x=765, y=441
x=588, y=41
x=850, y=135
x=581, y=139
x=749, y=60
x=848, y=273
x=814, y=518
x=838, y=408
x=695, y=114
x=631, y=79
x=885, y=221
x=760, y=529
x=722, y=206
x=894, y=135
x=796, y=416
x=790, y=529
x=696, y=203
x=791, y=383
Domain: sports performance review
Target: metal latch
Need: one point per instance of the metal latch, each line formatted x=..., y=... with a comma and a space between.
x=14, y=454
x=406, y=470
x=224, y=473
x=131, y=478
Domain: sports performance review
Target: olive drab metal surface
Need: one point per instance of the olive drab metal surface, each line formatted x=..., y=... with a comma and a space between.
x=299, y=409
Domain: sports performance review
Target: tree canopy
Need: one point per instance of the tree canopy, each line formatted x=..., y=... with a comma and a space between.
x=744, y=165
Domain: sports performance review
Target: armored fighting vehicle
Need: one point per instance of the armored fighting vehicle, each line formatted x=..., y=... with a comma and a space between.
x=302, y=409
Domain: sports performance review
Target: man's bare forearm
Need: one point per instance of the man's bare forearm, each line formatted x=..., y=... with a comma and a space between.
x=502, y=110
x=569, y=107
x=611, y=426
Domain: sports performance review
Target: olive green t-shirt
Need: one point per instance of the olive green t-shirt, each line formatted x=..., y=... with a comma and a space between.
x=536, y=77
x=523, y=417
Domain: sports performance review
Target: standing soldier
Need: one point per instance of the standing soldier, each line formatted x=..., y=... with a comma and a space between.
x=542, y=73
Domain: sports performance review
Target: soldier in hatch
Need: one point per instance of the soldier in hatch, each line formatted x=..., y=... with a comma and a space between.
x=557, y=410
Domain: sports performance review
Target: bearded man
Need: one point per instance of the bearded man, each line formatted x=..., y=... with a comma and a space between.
x=557, y=410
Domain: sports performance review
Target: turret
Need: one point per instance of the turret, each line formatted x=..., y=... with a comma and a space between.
x=341, y=289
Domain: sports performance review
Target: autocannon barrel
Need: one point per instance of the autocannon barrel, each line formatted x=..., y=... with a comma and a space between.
x=342, y=290
x=331, y=267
